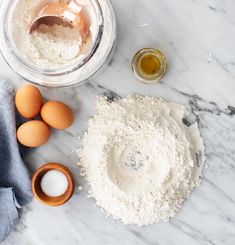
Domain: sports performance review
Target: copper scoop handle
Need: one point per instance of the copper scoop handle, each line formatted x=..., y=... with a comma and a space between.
x=72, y=14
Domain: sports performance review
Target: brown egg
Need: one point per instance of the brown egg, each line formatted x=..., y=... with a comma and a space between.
x=33, y=133
x=28, y=101
x=57, y=115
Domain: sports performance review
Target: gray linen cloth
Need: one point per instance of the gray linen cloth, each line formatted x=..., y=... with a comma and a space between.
x=15, y=183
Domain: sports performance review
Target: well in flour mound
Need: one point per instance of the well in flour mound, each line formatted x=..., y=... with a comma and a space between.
x=139, y=159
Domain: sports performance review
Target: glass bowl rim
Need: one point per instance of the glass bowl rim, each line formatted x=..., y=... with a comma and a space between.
x=10, y=8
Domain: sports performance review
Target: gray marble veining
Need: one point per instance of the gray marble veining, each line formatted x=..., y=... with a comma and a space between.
x=198, y=38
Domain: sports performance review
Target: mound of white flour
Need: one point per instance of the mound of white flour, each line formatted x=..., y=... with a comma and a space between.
x=139, y=159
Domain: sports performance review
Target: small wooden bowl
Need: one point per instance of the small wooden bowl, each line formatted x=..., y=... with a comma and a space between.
x=48, y=200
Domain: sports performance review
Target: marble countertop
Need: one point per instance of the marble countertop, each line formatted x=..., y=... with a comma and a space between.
x=198, y=38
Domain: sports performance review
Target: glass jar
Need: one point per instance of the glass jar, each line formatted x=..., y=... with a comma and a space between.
x=67, y=75
x=149, y=65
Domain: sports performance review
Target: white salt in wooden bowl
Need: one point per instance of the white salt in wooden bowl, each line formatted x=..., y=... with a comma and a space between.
x=48, y=200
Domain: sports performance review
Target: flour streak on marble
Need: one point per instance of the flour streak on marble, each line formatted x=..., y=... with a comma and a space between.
x=198, y=38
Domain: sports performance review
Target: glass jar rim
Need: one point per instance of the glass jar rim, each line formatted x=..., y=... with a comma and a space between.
x=10, y=7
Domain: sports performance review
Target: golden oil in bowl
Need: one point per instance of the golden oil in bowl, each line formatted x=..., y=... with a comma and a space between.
x=149, y=65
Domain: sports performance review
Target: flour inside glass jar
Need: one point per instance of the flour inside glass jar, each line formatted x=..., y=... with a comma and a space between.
x=48, y=47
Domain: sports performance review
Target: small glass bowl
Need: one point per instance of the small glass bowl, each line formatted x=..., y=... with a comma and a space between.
x=144, y=77
x=67, y=75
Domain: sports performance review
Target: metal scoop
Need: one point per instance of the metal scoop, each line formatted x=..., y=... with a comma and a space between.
x=61, y=13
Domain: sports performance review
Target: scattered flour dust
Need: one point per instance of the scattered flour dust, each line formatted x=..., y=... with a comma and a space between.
x=139, y=158
x=50, y=46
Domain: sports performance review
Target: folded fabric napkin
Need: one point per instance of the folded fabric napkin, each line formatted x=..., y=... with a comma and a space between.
x=15, y=184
